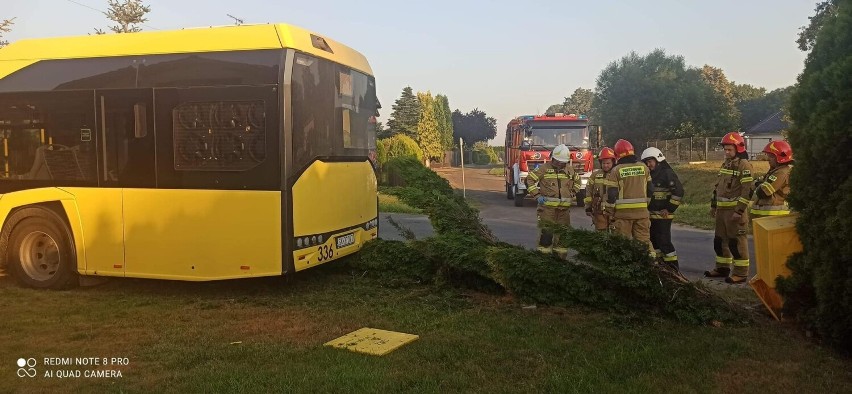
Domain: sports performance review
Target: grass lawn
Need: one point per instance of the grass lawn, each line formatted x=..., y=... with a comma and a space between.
x=262, y=335
x=498, y=171
x=698, y=182
x=391, y=204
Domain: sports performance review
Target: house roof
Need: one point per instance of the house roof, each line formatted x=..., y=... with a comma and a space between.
x=771, y=125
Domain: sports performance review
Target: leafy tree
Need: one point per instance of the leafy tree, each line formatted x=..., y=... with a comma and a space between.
x=406, y=114
x=473, y=126
x=656, y=96
x=445, y=121
x=825, y=11
x=580, y=102
x=724, y=97
x=428, y=135
x=745, y=92
x=818, y=292
x=555, y=108
x=128, y=14
x=5, y=27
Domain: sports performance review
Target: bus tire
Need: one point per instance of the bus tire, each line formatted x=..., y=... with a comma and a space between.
x=40, y=253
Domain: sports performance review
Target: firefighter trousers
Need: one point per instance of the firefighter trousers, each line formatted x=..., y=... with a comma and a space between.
x=600, y=221
x=638, y=229
x=731, y=243
x=661, y=239
x=549, y=216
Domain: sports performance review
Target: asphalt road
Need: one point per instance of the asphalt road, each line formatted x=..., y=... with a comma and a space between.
x=517, y=225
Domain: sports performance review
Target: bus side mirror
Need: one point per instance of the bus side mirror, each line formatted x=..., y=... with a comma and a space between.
x=140, y=114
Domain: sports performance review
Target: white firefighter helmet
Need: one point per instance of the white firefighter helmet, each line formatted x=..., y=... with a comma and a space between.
x=653, y=153
x=561, y=153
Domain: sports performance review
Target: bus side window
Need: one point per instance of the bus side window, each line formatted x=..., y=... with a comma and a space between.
x=42, y=136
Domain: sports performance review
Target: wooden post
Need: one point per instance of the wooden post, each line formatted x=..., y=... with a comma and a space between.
x=461, y=148
x=690, y=148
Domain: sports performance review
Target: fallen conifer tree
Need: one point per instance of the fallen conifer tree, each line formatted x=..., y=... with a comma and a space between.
x=607, y=272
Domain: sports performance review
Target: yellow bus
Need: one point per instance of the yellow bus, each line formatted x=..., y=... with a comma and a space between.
x=195, y=154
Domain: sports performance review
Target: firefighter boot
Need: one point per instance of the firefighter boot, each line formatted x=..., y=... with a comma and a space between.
x=545, y=241
x=739, y=274
x=670, y=259
x=718, y=272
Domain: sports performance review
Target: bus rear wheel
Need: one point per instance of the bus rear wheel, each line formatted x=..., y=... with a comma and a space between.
x=39, y=252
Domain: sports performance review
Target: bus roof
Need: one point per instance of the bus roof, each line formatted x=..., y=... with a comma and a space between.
x=23, y=53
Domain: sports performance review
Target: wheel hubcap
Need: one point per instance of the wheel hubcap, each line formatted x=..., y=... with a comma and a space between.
x=39, y=256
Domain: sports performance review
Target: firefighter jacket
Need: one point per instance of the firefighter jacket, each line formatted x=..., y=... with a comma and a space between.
x=667, y=192
x=558, y=187
x=734, y=185
x=596, y=191
x=628, y=189
x=771, y=193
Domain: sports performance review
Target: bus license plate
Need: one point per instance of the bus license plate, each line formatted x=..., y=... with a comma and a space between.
x=345, y=240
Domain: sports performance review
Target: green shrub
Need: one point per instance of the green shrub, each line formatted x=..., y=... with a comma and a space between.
x=484, y=154
x=819, y=292
x=399, y=145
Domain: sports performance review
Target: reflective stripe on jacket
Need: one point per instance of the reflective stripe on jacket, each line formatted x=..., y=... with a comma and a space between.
x=771, y=194
x=557, y=186
x=629, y=189
x=733, y=185
x=596, y=190
x=667, y=192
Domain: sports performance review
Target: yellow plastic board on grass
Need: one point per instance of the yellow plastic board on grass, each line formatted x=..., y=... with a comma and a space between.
x=372, y=341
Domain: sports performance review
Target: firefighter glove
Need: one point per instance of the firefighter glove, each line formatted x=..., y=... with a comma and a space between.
x=540, y=200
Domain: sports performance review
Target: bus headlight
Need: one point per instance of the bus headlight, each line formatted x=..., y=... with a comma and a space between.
x=298, y=242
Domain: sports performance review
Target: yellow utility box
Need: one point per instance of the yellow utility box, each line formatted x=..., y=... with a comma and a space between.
x=775, y=239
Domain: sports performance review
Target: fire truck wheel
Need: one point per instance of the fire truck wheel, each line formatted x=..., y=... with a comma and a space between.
x=519, y=199
x=510, y=193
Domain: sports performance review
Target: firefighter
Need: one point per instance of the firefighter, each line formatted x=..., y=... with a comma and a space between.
x=554, y=186
x=596, y=190
x=771, y=192
x=729, y=205
x=666, y=197
x=627, y=195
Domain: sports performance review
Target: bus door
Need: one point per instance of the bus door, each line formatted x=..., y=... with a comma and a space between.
x=125, y=165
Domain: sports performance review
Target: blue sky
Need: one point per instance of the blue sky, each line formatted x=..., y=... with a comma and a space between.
x=507, y=58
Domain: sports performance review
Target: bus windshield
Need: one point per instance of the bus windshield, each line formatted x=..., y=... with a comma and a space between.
x=549, y=137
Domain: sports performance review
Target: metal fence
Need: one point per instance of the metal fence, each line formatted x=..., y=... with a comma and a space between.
x=684, y=150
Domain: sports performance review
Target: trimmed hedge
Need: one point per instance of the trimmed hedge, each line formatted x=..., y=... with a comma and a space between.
x=818, y=294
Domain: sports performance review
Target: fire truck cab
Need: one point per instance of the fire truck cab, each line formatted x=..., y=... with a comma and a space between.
x=531, y=138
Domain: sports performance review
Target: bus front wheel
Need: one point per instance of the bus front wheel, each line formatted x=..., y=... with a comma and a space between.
x=39, y=251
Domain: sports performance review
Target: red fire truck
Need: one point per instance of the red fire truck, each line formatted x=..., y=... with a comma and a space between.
x=529, y=140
